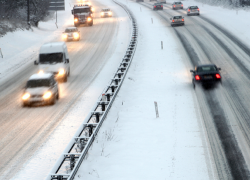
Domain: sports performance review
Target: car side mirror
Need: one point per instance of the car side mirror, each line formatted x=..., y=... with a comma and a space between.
x=72, y=11
x=35, y=62
x=192, y=71
x=67, y=60
x=219, y=69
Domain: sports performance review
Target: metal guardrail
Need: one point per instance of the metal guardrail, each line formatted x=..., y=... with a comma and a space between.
x=69, y=162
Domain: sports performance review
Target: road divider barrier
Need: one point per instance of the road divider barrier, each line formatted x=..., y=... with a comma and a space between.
x=70, y=160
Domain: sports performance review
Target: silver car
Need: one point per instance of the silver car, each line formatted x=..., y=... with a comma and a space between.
x=177, y=5
x=177, y=20
x=71, y=33
x=106, y=12
x=40, y=89
x=193, y=10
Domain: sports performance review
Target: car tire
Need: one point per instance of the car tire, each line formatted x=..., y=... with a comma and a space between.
x=57, y=95
x=91, y=23
x=198, y=14
x=25, y=105
x=65, y=79
x=53, y=100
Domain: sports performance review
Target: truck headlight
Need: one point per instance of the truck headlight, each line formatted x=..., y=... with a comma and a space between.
x=26, y=96
x=102, y=13
x=76, y=20
x=76, y=35
x=92, y=9
x=110, y=13
x=61, y=72
x=47, y=95
x=89, y=19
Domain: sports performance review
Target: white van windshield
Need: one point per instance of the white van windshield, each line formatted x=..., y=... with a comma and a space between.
x=52, y=58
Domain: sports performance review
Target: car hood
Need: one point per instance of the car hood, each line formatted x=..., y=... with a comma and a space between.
x=37, y=91
x=53, y=68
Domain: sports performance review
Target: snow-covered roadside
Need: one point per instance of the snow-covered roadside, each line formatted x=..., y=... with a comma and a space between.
x=21, y=47
x=40, y=164
x=133, y=143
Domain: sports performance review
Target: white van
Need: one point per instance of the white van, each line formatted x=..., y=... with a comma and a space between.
x=54, y=58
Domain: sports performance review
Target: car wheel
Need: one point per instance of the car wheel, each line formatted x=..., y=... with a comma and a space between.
x=57, y=95
x=65, y=79
x=53, y=101
x=198, y=14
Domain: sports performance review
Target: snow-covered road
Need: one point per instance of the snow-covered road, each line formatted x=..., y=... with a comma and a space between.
x=183, y=143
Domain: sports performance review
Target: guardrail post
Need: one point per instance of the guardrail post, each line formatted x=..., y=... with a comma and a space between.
x=72, y=162
x=90, y=130
x=97, y=115
x=103, y=107
x=108, y=96
x=60, y=178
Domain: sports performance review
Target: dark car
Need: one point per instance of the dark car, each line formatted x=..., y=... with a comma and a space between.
x=158, y=6
x=177, y=5
x=177, y=20
x=207, y=75
x=193, y=10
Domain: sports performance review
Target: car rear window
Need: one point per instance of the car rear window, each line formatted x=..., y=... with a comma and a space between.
x=177, y=17
x=158, y=3
x=38, y=83
x=178, y=3
x=193, y=7
x=206, y=69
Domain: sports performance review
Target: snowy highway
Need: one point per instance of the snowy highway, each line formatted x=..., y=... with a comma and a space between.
x=23, y=130
x=200, y=134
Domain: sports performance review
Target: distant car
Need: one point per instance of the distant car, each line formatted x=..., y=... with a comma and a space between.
x=40, y=88
x=71, y=33
x=193, y=10
x=106, y=12
x=139, y=0
x=177, y=20
x=177, y=5
x=207, y=75
x=158, y=6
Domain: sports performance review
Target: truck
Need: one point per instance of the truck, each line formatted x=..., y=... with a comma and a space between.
x=83, y=14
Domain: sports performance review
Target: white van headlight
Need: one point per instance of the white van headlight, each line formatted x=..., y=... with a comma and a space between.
x=76, y=35
x=61, y=72
x=26, y=96
x=47, y=95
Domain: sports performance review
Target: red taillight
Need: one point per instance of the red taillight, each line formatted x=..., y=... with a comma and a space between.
x=174, y=5
x=182, y=19
x=182, y=5
x=172, y=20
x=155, y=6
x=197, y=77
x=198, y=9
x=188, y=9
x=161, y=5
x=217, y=76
